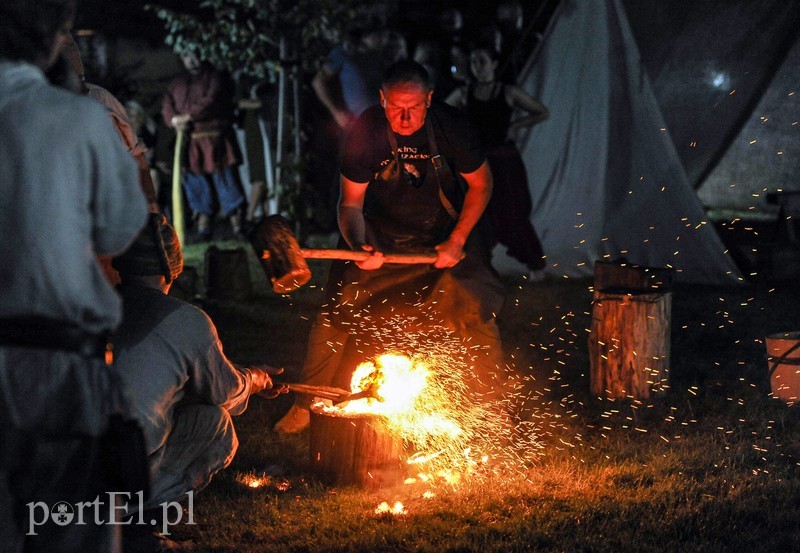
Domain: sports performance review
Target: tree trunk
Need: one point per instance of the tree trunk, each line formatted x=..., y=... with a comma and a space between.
x=629, y=344
x=624, y=277
x=354, y=451
x=298, y=193
x=227, y=274
x=279, y=142
x=630, y=335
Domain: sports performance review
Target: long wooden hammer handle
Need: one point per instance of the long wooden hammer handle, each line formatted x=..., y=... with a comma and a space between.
x=349, y=255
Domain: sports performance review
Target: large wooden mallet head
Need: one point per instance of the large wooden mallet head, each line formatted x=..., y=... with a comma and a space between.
x=280, y=254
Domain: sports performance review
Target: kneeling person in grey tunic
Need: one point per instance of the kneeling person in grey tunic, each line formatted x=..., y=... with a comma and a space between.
x=183, y=388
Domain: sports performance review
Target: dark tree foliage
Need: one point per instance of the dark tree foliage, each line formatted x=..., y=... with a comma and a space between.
x=245, y=36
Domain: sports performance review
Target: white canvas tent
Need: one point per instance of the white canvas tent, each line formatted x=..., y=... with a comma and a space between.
x=765, y=156
x=605, y=177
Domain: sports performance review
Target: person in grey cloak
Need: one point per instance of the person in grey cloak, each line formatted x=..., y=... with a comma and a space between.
x=70, y=192
x=170, y=361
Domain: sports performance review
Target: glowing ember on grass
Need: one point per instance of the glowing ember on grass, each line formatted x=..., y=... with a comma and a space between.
x=385, y=509
x=255, y=481
x=252, y=481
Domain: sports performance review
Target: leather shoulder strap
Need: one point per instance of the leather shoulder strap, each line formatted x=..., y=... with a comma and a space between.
x=437, y=162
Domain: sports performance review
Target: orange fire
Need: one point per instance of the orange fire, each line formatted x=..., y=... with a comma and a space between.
x=423, y=401
x=263, y=481
x=410, y=399
x=252, y=481
x=398, y=382
x=385, y=509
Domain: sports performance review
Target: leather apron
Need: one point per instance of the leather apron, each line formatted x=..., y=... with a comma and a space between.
x=408, y=215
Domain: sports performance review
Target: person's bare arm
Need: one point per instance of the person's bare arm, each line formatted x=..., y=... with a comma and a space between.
x=479, y=190
x=249, y=381
x=168, y=109
x=351, y=222
x=327, y=88
x=517, y=98
x=262, y=382
x=458, y=98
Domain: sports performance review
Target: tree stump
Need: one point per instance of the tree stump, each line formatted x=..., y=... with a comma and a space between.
x=227, y=274
x=354, y=451
x=629, y=343
x=626, y=277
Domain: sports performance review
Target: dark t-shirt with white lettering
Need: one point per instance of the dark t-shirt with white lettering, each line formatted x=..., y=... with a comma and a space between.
x=406, y=215
x=367, y=148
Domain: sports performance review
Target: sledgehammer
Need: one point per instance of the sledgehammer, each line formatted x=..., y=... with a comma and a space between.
x=284, y=260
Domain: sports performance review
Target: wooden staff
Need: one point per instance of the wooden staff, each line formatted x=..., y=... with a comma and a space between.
x=177, y=197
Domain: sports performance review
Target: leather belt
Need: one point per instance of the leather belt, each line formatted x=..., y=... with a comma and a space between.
x=205, y=134
x=44, y=333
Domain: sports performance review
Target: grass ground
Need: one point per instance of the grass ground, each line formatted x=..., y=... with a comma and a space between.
x=712, y=466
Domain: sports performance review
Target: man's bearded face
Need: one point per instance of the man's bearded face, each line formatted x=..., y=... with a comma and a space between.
x=406, y=105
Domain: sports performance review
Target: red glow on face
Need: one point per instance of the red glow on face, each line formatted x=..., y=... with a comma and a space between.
x=406, y=105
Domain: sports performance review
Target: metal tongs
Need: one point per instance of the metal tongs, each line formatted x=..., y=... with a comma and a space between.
x=337, y=395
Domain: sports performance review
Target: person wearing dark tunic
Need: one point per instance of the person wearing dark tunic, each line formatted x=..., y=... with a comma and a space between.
x=401, y=192
x=201, y=102
x=489, y=104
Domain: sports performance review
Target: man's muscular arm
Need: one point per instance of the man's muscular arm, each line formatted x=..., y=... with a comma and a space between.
x=351, y=221
x=479, y=190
